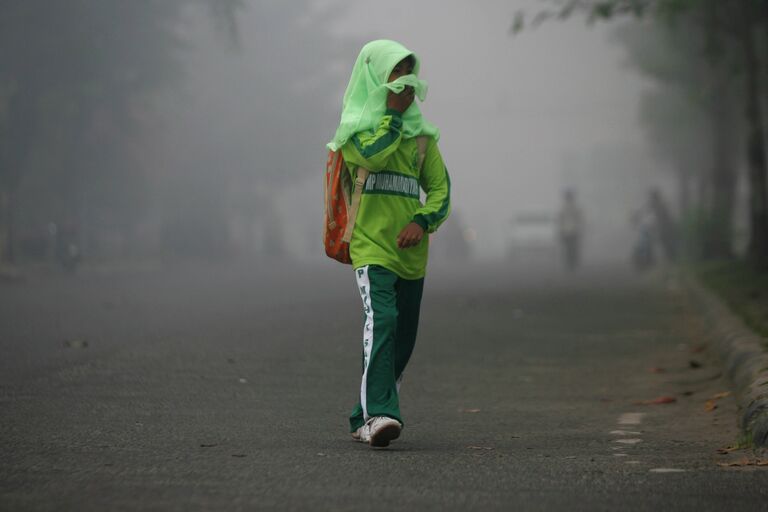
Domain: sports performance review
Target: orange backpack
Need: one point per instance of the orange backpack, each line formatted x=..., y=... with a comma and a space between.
x=342, y=199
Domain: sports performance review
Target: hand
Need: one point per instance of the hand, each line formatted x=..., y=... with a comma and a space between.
x=410, y=236
x=401, y=101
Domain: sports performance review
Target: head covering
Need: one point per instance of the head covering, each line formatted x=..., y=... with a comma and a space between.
x=365, y=100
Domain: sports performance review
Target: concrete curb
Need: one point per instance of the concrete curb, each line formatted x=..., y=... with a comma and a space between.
x=745, y=360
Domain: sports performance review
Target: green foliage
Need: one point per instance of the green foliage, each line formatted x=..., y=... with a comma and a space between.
x=609, y=10
x=672, y=9
x=742, y=287
x=700, y=52
x=76, y=79
x=518, y=23
x=603, y=10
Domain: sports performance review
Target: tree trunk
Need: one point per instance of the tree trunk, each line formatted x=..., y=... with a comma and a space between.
x=6, y=239
x=686, y=183
x=718, y=236
x=683, y=191
x=758, y=243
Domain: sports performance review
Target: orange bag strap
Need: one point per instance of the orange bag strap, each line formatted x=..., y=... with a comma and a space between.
x=362, y=175
x=421, y=142
x=334, y=161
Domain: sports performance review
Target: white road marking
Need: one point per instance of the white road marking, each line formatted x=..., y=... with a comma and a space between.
x=628, y=441
x=628, y=418
x=631, y=418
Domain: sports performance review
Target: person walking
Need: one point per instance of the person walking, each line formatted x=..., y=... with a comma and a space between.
x=570, y=227
x=383, y=131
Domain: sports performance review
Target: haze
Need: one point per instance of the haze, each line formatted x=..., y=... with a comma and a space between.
x=230, y=155
x=521, y=117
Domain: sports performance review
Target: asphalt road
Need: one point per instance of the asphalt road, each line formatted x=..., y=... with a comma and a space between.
x=228, y=389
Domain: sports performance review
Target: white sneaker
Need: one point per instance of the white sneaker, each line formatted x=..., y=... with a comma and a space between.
x=379, y=431
x=357, y=435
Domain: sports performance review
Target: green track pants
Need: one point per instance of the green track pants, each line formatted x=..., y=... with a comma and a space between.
x=391, y=306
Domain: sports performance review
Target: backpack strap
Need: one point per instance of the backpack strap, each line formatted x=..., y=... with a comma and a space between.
x=357, y=191
x=362, y=174
x=421, y=142
x=334, y=161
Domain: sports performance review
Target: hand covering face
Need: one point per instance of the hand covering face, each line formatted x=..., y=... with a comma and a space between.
x=365, y=99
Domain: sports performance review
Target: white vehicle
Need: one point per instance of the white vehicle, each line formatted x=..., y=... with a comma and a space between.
x=533, y=235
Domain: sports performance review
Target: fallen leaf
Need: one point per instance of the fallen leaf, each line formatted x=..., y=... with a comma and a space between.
x=656, y=369
x=744, y=462
x=694, y=364
x=658, y=401
x=76, y=343
x=718, y=396
x=710, y=406
x=698, y=349
x=734, y=463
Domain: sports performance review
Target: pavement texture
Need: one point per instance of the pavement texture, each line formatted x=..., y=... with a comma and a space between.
x=228, y=389
x=745, y=358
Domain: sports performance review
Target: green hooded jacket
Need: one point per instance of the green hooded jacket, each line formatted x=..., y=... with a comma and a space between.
x=383, y=141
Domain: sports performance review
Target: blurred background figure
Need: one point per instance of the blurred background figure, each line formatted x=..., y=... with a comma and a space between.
x=67, y=248
x=643, y=252
x=656, y=232
x=570, y=229
x=665, y=225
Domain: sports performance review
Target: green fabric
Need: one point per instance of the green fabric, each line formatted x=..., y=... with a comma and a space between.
x=365, y=99
x=389, y=201
x=419, y=86
x=391, y=305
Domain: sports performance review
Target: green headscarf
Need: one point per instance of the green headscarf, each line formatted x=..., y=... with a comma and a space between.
x=365, y=100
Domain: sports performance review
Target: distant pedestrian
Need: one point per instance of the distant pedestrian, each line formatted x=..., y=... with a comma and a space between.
x=382, y=130
x=643, y=252
x=570, y=227
x=665, y=225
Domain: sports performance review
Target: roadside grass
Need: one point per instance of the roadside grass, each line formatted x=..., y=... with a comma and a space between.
x=744, y=290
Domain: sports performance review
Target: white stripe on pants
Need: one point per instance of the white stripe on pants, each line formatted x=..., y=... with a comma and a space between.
x=364, y=287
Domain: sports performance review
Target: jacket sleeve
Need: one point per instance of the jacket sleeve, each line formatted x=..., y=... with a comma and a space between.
x=436, y=183
x=371, y=150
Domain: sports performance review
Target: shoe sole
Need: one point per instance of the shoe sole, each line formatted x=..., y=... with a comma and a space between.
x=384, y=435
